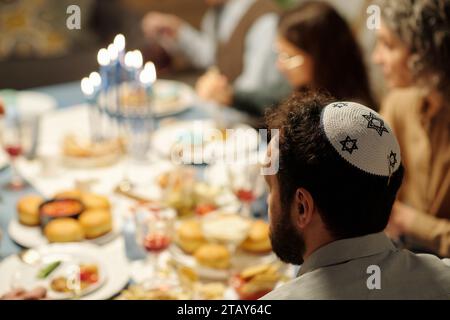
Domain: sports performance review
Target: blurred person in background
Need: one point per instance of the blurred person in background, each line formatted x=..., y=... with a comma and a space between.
x=358, y=13
x=234, y=45
x=413, y=51
x=316, y=49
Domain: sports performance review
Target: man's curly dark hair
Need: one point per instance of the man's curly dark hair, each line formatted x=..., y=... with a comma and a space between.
x=351, y=202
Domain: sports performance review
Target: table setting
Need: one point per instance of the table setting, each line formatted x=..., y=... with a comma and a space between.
x=124, y=192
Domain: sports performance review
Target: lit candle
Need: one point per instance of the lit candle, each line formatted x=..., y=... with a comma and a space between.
x=87, y=87
x=147, y=78
x=104, y=61
x=138, y=62
x=95, y=80
x=133, y=64
x=113, y=56
x=138, y=59
x=119, y=43
x=113, y=53
x=115, y=76
x=129, y=65
x=128, y=60
x=103, y=57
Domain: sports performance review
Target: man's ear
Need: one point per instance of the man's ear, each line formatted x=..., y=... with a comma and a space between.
x=303, y=208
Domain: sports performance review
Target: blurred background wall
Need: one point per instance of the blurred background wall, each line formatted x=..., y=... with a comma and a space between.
x=37, y=49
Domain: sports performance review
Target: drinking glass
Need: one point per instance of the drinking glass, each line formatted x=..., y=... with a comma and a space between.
x=246, y=183
x=15, y=137
x=154, y=232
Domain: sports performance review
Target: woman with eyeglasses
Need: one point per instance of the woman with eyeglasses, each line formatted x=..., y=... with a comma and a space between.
x=316, y=49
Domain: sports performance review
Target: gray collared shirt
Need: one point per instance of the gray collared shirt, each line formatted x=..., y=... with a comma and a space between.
x=367, y=267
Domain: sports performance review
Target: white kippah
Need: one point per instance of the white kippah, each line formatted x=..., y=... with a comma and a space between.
x=361, y=137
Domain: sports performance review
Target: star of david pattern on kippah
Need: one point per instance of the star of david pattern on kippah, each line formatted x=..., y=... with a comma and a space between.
x=392, y=159
x=340, y=105
x=349, y=144
x=376, y=123
x=361, y=137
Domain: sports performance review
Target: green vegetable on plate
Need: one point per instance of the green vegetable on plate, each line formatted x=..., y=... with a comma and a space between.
x=45, y=271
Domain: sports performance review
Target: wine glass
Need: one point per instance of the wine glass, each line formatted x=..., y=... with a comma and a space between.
x=245, y=181
x=13, y=137
x=154, y=232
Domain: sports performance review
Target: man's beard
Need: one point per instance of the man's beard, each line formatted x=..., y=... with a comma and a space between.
x=287, y=243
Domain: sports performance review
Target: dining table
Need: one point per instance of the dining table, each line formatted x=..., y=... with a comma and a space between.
x=68, y=97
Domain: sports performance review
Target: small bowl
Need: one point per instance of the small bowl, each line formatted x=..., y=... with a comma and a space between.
x=59, y=208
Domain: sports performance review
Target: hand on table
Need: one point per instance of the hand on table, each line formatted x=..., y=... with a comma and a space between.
x=402, y=217
x=214, y=86
x=156, y=24
x=22, y=294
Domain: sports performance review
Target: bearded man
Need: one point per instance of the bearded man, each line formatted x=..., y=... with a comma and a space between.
x=330, y=201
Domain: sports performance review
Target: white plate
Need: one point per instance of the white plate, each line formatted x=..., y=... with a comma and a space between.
x=172, y=97
x=32, y=237
x=35, y=103
x=91, y=162
x=239, y=261
x=31, y=103
x=114, y=271
x=166, y=141
x=71, y=255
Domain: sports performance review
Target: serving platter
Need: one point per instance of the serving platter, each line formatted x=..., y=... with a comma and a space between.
x=239, y=261
x=32, y=237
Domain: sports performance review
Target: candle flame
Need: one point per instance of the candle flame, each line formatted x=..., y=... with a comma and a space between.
x=103, y=57
x=113, y=52
x=138, y=59
x=119, y=42
x=129, y=59
x=86, y=86
x=95, y=79
x=148, y=75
